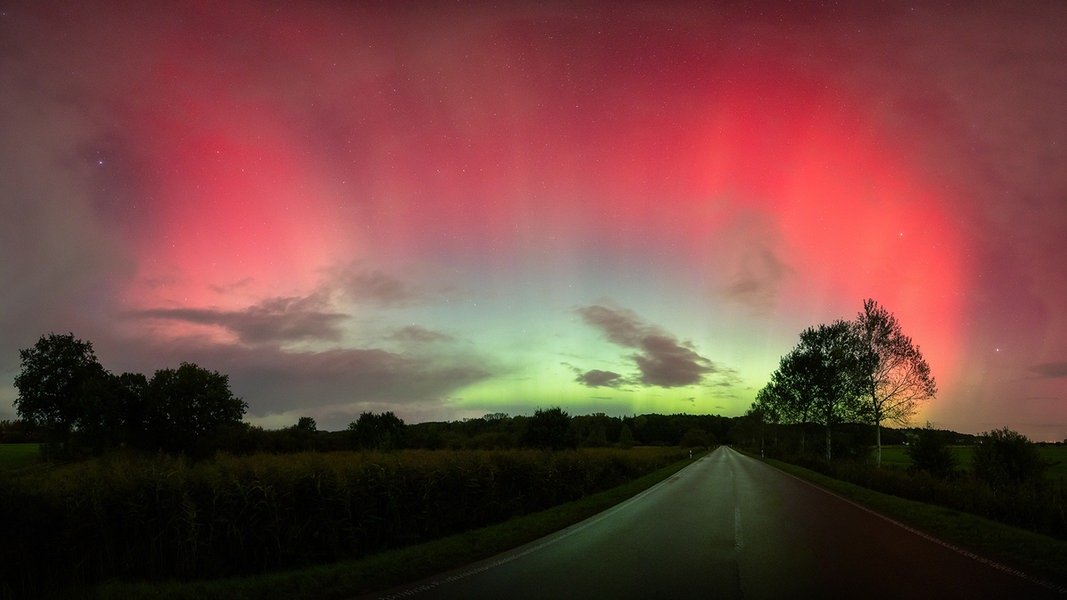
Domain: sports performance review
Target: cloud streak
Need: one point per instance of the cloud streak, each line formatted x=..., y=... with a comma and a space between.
x=661, y=359
x=272, y=321
x=1050, y=370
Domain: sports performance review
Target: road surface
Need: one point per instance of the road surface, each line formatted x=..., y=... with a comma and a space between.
x=729, y=526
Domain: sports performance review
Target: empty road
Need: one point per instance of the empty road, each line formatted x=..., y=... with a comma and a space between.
x=729, y=526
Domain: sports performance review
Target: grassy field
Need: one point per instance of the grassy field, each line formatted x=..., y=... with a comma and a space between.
x=1055, y=457
x=18, y=456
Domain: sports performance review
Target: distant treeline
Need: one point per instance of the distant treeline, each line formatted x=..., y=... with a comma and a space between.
x=386, y=431
x=550, y=428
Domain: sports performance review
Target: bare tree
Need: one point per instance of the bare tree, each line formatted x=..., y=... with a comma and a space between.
x=896, y=377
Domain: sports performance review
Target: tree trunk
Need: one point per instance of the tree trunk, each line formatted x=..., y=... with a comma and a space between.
x=878, y=437
x=828, y=442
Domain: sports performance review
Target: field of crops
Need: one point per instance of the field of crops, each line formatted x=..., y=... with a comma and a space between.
x=160, y=517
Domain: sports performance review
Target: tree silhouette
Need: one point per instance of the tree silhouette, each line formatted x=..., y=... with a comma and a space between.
x=823, y=367
x=190, y=404
x=380, y=432
x=896, y=377
x=59, y=383
x=550, y=429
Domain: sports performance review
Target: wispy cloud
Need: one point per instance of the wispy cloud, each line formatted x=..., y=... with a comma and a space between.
x=273, y=320
x=421, y=335
x=1050, y=370
x=662, y=360
x=372, y=286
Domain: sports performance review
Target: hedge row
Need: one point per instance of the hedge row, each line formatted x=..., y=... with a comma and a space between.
x=161, y=517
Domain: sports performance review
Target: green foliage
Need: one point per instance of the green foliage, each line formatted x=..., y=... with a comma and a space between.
x=162, y=517
x=1005, y=458
x=931, y=453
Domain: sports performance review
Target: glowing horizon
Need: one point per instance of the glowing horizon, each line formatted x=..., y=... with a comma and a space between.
x=453, y=211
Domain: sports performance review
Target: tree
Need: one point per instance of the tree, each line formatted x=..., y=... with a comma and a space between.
x=59, y=379
x=550, y=429
x=826, y=369
x=188, y=406
x=764, y=411
x=131, y=398
x=896, y=377
x=378, y=432
x=817, y=380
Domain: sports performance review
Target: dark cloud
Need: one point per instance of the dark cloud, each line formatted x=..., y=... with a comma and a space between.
x=598, y=378
x=667, y=363
x=272, y=321
x=663, y=360
x=1051, y=370
x=621, y=326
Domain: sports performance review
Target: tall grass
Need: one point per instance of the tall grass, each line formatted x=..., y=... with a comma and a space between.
x=161, y=517
x=1040, y=506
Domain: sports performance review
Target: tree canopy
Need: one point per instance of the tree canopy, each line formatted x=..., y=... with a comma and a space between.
x=65, y=391
x=864, y=370
x=188, y=404
x=59, y=380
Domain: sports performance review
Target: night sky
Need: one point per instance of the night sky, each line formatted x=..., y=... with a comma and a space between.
x=452, y=210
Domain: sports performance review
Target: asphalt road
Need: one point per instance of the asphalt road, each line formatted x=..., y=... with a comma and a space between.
x=729, y=526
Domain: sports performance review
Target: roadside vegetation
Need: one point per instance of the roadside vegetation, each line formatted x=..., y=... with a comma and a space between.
x=163, y=517
x=824, y=409
x=111, y=479
x=158, y=478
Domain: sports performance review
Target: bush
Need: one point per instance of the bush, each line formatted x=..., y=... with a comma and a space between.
x=931, y=453
x=1005, y=458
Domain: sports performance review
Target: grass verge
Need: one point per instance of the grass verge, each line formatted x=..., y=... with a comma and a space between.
x=387, y=569
x=1036, y=555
